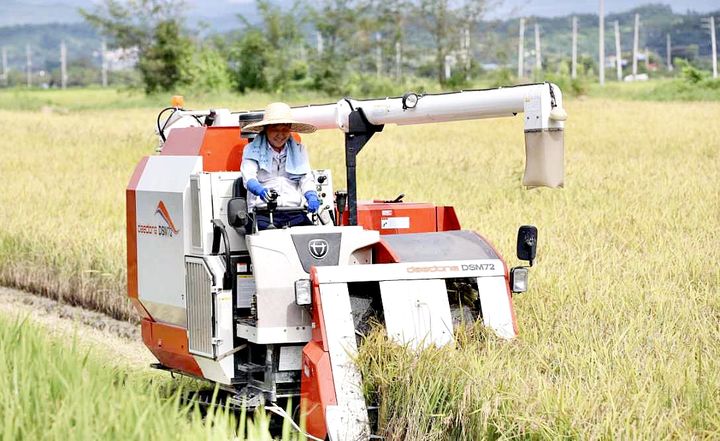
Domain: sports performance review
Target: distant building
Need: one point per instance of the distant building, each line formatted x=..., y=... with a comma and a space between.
x=121, y=58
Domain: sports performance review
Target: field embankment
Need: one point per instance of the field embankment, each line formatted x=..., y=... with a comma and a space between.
x=619, y=331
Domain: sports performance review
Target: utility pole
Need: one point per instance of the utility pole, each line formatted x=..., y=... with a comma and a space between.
x=714, y=46
x=448, y=68
x=647, y=59
x=28, y=65
x=574, y=48
x=4, y=66
x=601, y=37
x=538, y=56
x=398, y=60
x=103, y=60
x=636, y=42
x=618, y=52
x=521, y=49
x=319, y=39
x=63, y=65
x=669, y=54
x=468, y=58
x=378, y=55
x=709, y=23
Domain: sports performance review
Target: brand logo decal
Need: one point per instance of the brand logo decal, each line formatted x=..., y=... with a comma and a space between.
x=167, y=230
x=318, y=248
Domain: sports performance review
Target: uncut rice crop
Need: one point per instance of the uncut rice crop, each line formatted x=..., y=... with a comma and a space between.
x=619, y=332
x=52, y=390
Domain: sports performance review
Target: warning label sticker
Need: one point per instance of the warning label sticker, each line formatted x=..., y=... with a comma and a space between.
x=394, y=223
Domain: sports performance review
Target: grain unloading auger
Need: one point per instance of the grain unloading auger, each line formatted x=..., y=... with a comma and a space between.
x=278, y=313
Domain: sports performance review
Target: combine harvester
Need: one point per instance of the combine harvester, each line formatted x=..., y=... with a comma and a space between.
x=279, y=313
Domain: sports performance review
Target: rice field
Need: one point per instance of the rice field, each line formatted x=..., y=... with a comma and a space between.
x=619, y=332
x=55, y=390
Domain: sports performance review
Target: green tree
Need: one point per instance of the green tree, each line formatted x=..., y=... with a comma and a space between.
x=154, y=28
x=248, y=61
x=167, y=62
x=336, y=21
x=277, y=40
x=210, y=70
x=443, y=19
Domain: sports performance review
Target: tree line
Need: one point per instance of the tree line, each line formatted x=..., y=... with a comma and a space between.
x=275, y=53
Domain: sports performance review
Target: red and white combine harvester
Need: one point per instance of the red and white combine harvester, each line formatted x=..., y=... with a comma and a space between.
x=279, y=313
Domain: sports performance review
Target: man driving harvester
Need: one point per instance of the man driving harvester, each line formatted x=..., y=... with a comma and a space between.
x=275, y=168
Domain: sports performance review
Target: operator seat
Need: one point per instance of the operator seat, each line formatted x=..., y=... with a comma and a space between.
x=237, y=210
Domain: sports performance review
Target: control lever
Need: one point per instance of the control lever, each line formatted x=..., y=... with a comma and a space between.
x=272, y=206
x=396, y=200
x=340, y=201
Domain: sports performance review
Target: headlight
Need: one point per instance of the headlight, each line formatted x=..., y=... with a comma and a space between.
x=519, y=279
x=410, y=100
x=303, y=292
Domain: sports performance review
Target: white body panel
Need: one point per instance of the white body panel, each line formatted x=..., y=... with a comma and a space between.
x=421, y=284
x=213, y=190
x=348, y=420
x=495, y=304
x=413, y=271
x=417, y=312
x=161, y=249
x=277, y=267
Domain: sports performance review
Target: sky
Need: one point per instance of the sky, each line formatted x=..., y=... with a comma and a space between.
x=14, y=12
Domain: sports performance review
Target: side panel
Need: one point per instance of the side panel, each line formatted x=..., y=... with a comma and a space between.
x=163, y=239
x=131, y=232
x=396, y=218
x=496, y=305
x=317, y=389
x=348, y=419
x=220, y=147
x=169, y=345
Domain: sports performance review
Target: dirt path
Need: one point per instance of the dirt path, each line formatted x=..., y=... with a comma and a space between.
x=112, y=339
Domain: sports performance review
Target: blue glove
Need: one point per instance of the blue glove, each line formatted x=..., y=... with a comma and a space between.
x=313, y=201
x=258, y=190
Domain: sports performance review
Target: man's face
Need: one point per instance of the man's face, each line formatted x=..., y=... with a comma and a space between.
x=277, y=134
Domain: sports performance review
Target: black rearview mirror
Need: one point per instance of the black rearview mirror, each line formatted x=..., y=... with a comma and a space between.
x=527, y=243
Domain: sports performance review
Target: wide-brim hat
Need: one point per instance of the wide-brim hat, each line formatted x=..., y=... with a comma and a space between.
x=279, y=113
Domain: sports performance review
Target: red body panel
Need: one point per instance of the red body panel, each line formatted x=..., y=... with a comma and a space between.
x=169, y=344
x=131, y=231
x=317, y=389
x=421, y=217
x=220, y=147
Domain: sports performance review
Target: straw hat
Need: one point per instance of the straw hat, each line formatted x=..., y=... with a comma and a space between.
x=279, y=113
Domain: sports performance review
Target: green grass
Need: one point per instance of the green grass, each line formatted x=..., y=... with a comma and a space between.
x=52, y=390
x=619, y=333
x=658, y=90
